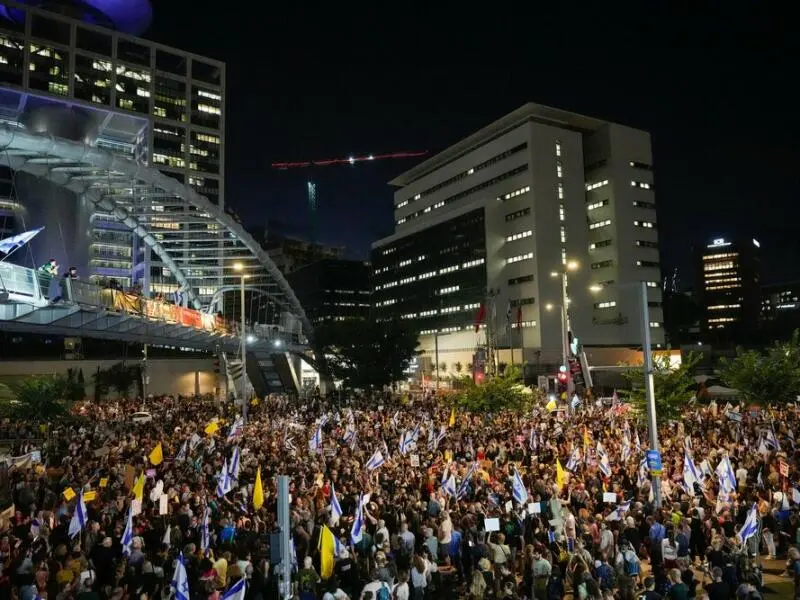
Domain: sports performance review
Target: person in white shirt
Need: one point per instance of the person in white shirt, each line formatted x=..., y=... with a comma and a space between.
x=445, y=529
x=374, y=585
x=401, y=590
x=419, y=577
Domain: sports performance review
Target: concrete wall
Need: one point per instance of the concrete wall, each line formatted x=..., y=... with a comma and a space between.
x=167, y=375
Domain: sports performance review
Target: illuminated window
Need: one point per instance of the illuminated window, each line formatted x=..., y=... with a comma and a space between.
x=561, y=214
x=524, y=324
x=519, y=258
x=600, y=244
x=403, y=263
x=448, y=269
x=559, y=170
x=516, y=193
x=599, y=224
x=449, y=290
x=473, y=263
x=609, y=304
x=646, y=263
x=518, y=236
x=595, y=185
x=645, y=224
x=558, y=148
x=563, y=234
x=642, y=185
x=560, y=191
x=596, y=205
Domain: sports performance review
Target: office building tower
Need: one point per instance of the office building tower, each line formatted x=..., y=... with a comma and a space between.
x=729, y=286
x=77, y=70
x=780, y=299
x=490, y=220
x=333, y=289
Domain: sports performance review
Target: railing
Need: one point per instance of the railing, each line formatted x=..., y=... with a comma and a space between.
x=20, y=281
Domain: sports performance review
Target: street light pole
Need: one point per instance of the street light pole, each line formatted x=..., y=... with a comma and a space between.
x=647, y=367
x=243, y=335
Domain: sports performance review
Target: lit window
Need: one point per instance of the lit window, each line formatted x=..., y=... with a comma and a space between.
x=516, y=193
x=524, y=324
x=609, y=304
x=563, y=235
x=724, y=306
x=558, y=148
x=209, y=95
x=600, y=244
x=470, y=172
x=561, y=214
x=206, y=108
x=559, y=170
x=655, y=325
x=472, y=306
x=407, y=280
x=421, y=257
x=473, y=263
x=518, y=236
x=646, y=263
x=595, y=185
x=448, y=269
x=403, y=263
x=427, y=275
x=401, y=221
x=519, y=258
x=142, y=92
x=645, y=224
x=652, y=284
x=449, y=290
x=560, y=191
x=402, y=204
x=600, y=224
x=596, y=205
x=642, y=185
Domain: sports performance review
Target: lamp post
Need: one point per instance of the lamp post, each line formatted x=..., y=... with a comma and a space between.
x=568, y=266
x=647, y=369
x=239, y=267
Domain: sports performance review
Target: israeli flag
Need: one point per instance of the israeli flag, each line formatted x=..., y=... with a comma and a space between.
x=236, y=591
x=15, y=242
x=618, y=513
x=204, y=536
x=690, y=473
x=518, y=489
x=336, y=508
x=396, y=419
x=462, y=489
x=127, y=535
x=236, y=429
x=533, y=442
x=182, y=453
x=574, y=459
x=726, y=475
x=78, y=521
x=357, y=530
x=224, y=484
x=449, y=486
x=771, y=439
x=180, y=580
x=604, y=465
x=750, y=527
x=636, y=442
x=576, y=402
x=233, y=468
x=349, y=435
x=405, y=442
x=641, y=474
x=315, y=443
x=293, y=552
x=375, y=461
x=288, y=441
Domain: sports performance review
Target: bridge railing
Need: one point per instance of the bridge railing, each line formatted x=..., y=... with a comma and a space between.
x=20, y=281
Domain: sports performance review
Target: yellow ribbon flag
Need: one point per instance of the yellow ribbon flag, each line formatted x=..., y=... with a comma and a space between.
x=157, y=455
x=211, y=428
x=561, y=475
x=452, y=417
x=138, y=488
x=551, y=406
x=258, y=491
x=327, y=546
x=586, y=441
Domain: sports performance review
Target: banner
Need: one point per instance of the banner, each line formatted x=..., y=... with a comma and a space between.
x=25, y=461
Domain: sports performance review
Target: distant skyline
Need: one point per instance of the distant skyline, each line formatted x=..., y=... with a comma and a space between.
x=714, y=90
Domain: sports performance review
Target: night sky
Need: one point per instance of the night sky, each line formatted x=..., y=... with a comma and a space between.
x=717, y=92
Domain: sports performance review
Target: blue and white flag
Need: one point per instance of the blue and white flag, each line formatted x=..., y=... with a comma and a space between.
x=357, y=530
x=293, y=553
x=576, y=402
x=233, y=468
x=78, y=521
x=237, y=427
x=375, y=461
x=315, y=443
x=726, y=475
x=434, y=439
x=462, y=489
x=691, y=474
x=574, y=459
x=641, y=473
x=518, y=489
x=336, y=508
x=772, y=440
x=604, y=465
x=127, y=535
x=204, y=535
x=224, y=485
x=533, y=443
x=449, y=486
x=180, y=580
x=10, y=244
x=618, y=513
x=626, y=448
x=750, y=527
x=183, y=452
x=236, y=591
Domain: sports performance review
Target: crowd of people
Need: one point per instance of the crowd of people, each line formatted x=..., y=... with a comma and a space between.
x=421, y=501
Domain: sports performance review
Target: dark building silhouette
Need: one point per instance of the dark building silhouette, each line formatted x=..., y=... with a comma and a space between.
x=333, y=289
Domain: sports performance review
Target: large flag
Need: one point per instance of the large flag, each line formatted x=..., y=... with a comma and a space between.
x=204, y=537
x=127, y=535
x=449, y=486
x=618, y=513
x=375, y=461
x=78, y=521
x=10, y=244
x=183, y=452
x=157, y=455
x=750, y=527
x=233, y=467
x=327, y=552
x=211, y=428
x=357, y=530
x=138, y=488
x=237, y=427
x=452, y=420
x=574, y=459
x=180, y=580
x=462, y=489
x=691, y=474
x=336, y=508
x=518, y=489
x=236, y=591
x=726, y=475
x=224, y=484
x=561, y=476
x=258, y=491
x=315, y=443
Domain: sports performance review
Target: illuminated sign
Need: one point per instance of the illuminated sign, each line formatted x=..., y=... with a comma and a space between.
x=718, y=243
x=756, y=243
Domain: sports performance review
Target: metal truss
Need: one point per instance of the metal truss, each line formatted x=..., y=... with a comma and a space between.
x=192, y=237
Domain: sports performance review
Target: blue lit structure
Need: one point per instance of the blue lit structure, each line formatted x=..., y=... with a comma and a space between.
x=127, y=16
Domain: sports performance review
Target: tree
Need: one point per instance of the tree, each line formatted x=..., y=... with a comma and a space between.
x=442, y=368
x=673, y=386
x=39, y=397
x=76, y=389
x=501, y=392
x=769, y=376
x=367, y=354
x=458, y=367
x=119, y=376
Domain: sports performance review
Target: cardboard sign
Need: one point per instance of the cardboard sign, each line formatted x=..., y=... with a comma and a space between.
x=535, y=508
x=509, y=506
x=68, y=494
x=136, y=507
x=415, y=460
x=103, y=482
x=89, y=496
x=784, y=467
x=609, y=497
x=162, y=504
x=490, y=525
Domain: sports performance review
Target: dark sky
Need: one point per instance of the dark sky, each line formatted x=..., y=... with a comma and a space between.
x=717, y=91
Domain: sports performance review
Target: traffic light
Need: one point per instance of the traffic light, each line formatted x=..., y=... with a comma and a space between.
x=561, y=381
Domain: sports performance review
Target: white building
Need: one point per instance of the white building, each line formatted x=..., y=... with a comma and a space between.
x=497, y=213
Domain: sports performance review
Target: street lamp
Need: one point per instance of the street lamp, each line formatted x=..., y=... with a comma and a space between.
x=239, y=267
x=647, y=368
x=570, y=265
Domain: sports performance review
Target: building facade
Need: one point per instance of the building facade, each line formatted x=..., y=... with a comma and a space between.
x=729, y=286
x=780, y=299
x=489, y=220
x=62, y=75
x=333, y=289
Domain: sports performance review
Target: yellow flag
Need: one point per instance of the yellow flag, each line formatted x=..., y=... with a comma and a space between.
x=452, y=417
x=327, y=545
x=211, y=428
x=138, y=488
x=561, y=475
x=551, y=406
x=586, y=442
x=69, y=494
x=258, y=491
x=157, y=455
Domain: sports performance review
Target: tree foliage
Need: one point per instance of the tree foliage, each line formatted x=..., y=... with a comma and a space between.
x=119, y=377
x=367, y=354
x=40, y=397
x=501, y=392
x=769, y=376
x=673, y=386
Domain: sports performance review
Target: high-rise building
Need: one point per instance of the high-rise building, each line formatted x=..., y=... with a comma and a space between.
x=780, y=299
x=333, y=289
x=75, y=69
x=489, y=220
x=729, y=286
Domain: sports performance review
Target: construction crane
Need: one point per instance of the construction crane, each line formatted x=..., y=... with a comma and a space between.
x=311, y=187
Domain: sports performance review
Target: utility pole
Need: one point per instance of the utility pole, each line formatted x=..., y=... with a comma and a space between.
x=285, y=574
x=647, y=366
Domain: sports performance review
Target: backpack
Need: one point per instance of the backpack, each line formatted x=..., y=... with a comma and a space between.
x=383, y=592
x=631, y=564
